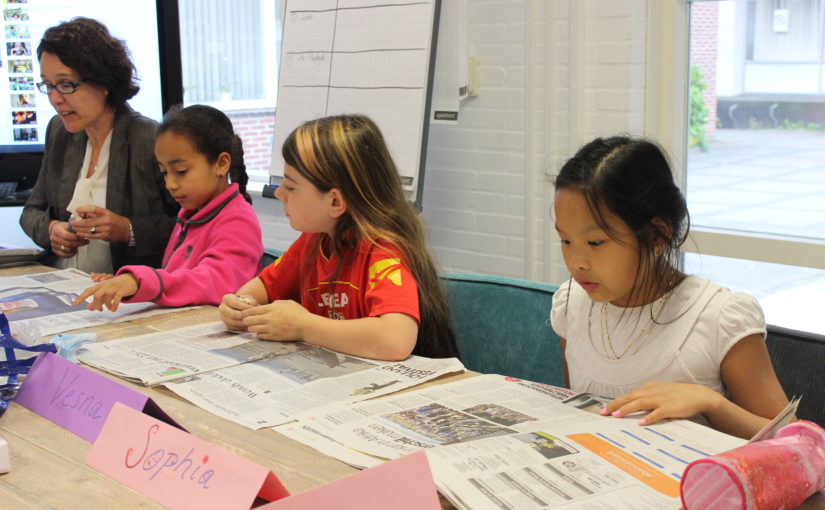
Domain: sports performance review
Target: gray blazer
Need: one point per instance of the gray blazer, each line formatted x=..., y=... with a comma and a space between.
x=134, y=189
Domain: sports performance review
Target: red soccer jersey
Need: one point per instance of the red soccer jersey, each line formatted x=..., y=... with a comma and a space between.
x=373, y=280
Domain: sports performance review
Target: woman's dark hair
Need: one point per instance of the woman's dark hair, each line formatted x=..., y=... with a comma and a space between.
x=349, y=152
x=85, y=45
x=211, y=132
x=632, y=180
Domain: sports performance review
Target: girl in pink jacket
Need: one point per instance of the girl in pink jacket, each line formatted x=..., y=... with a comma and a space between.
x=216, y=245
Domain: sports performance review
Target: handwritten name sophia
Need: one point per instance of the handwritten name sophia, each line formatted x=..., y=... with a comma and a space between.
x=162, y=460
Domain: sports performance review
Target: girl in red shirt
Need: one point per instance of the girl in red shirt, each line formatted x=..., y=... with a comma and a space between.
x=360, y=278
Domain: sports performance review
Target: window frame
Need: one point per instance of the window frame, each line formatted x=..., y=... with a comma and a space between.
x=667, y=83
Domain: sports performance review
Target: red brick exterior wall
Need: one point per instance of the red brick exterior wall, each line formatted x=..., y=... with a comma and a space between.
x=255, y=127
x=704, y=20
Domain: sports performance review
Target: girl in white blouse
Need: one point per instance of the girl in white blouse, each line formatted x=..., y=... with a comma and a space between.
x=633, y=327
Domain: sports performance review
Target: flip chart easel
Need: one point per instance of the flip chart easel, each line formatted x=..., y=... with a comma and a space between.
x=371, y=57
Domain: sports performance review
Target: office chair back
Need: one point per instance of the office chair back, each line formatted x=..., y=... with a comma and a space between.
x=798, y=358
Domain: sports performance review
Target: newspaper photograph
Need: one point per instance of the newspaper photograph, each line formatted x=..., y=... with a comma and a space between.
x=45, y=300
x=464, y=410
x=156, y=358
x=610, y=464
x=278, y=389
x=502, y=443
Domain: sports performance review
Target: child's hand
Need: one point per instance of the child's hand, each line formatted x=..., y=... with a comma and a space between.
x=99, y=277
x=664, y=400
x=281, y=320
x=109, y=293
x=231, y=308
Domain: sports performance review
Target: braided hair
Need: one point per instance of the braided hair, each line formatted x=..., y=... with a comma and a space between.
x=211, y=132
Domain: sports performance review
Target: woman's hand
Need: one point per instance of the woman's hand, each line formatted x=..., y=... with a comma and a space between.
x=664, y=400
x=64, y=242
x=109, y=293
x=231, y=310
x=280, y=320
x=99, y=223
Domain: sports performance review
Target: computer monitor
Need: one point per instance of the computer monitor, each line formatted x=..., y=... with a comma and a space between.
x=25, y=112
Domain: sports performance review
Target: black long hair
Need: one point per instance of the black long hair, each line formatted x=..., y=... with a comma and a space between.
x=211, y=132
x=631, y=179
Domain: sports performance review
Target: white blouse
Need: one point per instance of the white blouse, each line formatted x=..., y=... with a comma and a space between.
x=91, y=190
x=695, y=327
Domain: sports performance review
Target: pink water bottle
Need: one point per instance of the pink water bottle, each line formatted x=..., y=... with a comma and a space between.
x=772, y=474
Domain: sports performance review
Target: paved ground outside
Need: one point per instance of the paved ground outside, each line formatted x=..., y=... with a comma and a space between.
x=763, y=181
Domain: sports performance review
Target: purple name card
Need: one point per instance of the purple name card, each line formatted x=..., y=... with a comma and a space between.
x=78, y=399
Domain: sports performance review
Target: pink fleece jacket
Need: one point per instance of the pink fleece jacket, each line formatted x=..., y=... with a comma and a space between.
x=210, y=253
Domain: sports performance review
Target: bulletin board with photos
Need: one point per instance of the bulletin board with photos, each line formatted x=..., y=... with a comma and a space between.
x=20, y=125
x=24, y=111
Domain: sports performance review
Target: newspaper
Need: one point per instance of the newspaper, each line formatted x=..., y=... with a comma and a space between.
x=277, y=390
x=785, y=416
x=255, y=383
x=45, y=300
x=499, y=442
x=156, y=358
x=11, y=255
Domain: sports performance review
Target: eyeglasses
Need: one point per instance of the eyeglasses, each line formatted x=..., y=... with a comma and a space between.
x=64, y=87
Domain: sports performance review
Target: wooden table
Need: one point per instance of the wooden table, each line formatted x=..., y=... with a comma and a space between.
x=47, y=462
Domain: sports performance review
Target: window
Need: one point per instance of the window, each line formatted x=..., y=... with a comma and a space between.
x=230, y=54
x=755, y=161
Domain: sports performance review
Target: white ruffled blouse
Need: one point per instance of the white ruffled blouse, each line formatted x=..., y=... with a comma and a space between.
x=696, y=326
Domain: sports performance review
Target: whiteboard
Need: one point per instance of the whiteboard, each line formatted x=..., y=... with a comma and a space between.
x=371, y=57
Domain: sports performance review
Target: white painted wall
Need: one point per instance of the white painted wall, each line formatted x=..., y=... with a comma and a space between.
x=553, y=74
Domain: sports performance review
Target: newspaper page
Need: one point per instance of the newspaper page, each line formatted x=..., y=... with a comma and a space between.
x=45, y=300
x=608, y=464
x=499, y=442
x=11, y=255
x=396, y=425
x=278, y=389
x=159, y=357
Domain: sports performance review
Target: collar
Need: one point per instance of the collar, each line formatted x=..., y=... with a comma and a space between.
x=210, y=210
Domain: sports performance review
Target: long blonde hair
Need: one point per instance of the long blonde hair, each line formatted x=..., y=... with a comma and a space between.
x=348, y=152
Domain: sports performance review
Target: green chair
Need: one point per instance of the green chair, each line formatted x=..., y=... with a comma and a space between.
x=270, y=255
x=502, y=326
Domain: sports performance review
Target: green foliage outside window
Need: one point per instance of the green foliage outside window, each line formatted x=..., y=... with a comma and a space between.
x=698, y=114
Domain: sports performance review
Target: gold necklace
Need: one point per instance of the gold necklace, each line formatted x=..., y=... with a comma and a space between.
x=643, y=333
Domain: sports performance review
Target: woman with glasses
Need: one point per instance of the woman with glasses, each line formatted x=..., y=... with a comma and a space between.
x=100, y=201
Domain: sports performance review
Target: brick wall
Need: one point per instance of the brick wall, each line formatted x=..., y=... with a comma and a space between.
x=255, y=129
x=487, y=197
x=704, y=23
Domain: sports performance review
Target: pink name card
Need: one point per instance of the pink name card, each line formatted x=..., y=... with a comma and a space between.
x=175, y=468
x=405, y=483
x=76, y=398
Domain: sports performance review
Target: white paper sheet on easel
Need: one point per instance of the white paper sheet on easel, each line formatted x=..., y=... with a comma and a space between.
x=373, y=59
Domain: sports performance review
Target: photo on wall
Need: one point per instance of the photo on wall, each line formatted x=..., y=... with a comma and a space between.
x=25, y=135
x=21, y=83
x=21, y=65
x=22, y=100
x=24, y=117
x=19, y=49
x=17, y=32
x=15, y=14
